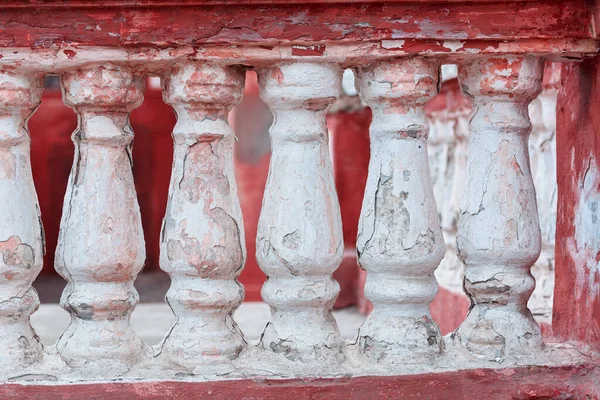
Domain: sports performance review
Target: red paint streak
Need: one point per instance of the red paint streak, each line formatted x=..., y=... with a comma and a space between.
x=578, y=142
x=308, y=50
x=277, y=74
x=70, y=54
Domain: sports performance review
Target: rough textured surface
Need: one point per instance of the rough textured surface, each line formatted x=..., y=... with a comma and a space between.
x=300, y=236
x=399, y=240
x=21, y=233
x=577, y=293
x=152, y=321
x=449, y=113
x=522, y=383
x=131, y=24
x=499, y=235
x=202, y=241
x=101, y=245
x=299, y=241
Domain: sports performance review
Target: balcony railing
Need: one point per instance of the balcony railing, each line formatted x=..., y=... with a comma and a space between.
x=201, y=49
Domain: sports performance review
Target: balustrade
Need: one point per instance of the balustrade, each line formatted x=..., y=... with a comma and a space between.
x=101, y=246
x=299, y=240
x=299, y=244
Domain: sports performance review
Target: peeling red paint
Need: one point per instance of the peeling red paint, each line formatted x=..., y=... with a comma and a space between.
x=523, y=383
x=192, y=25
x=70, y=54
x=576, y=314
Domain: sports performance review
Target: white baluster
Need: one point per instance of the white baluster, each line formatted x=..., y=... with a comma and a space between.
x=101, y=245
x=499, y=234
x=542, y=153
x=21, y=232
x=400, y=240
x=299, y=240
x=202, y=244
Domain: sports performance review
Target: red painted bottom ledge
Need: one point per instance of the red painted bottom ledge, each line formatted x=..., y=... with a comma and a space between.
x=570, y=382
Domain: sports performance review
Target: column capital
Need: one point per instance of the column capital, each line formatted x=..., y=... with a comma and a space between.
x=503, y=78
x=203, y=86
x=400, y=82
x=105, y=87
x=301, y=85
x=19, y=93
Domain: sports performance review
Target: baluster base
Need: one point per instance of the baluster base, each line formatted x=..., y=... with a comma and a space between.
x=205, y=332
x=392, y=336
x=21, y=347
x=497, y=332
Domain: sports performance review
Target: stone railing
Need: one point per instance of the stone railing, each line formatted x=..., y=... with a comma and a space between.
x=200, y=50
x=449, y=114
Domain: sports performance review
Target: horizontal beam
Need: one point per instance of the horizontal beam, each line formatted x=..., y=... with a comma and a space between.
x=523, y=383
x=192, y=24
x=162, y=3
x=153, y=61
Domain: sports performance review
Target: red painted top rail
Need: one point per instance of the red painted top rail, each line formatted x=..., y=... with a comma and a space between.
x=485, y=24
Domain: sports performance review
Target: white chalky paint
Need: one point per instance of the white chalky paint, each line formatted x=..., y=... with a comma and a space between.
x=21, y=234
x=102, y=109
x=101, y=245
x=400, y=240
x=202, y=241
x=499, y=234
x=542, y=153
x=584, y=246
x=299, y=241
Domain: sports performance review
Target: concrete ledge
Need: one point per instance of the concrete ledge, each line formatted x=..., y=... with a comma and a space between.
x=572, y=382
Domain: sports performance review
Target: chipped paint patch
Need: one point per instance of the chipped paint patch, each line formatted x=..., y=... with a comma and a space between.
x=392, y=44
x=453, y=45
x=317, y=50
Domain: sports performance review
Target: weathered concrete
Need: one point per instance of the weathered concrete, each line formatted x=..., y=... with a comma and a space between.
x=101, y=244
x=526, y=383
x=21, y=231
x=577, y=289
x=299, y=241
x=202, y=241
x=499, y=235
x=152, y=321
x=399, y=240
